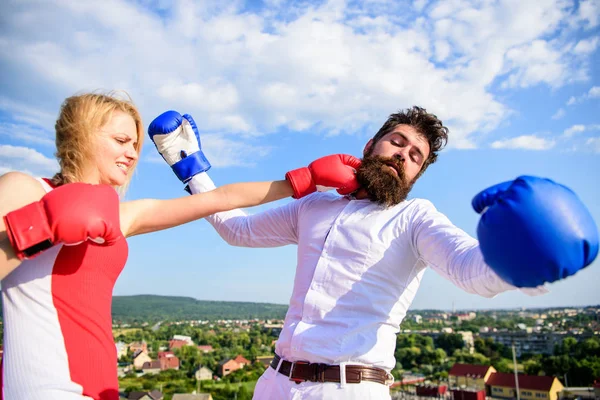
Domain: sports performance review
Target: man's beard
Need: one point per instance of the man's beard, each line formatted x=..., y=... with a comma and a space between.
x=383, y=185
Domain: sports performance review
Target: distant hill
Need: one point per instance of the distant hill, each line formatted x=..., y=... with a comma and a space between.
x=153, y=308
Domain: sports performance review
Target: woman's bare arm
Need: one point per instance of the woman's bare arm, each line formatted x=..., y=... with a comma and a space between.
x=149, y=215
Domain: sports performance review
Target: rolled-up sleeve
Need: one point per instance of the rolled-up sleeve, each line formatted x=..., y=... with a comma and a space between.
x=272, y=228
x=455, y=255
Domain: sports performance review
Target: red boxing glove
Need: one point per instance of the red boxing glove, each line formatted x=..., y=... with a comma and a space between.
x=337, y=171
x=69, y=214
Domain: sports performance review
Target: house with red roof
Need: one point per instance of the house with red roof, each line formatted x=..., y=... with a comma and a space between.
x=178, y=341
x=177, y=344
x=229, y=365
x=470, y=375
x=168, y=360
x=242, y=361
x=206, y=348
x=531, y=387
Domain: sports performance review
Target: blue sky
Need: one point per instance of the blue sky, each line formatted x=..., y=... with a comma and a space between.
x=275, y=84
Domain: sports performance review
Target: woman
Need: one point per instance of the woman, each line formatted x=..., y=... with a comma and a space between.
x=63, y=246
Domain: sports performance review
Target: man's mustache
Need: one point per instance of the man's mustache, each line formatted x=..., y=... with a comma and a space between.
x=396, y=162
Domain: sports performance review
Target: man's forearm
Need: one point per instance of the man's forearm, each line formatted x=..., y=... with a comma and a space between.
x=273, y=228
x=222, y=222
x=456, y=255
x=467, y=270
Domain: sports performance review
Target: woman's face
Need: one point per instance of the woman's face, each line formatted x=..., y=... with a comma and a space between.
x=115, y=150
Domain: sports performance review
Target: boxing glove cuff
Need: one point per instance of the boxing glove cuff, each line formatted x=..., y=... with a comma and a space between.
x=28, y=230
x=190, y=166
x=200, y=183
x=302, y=182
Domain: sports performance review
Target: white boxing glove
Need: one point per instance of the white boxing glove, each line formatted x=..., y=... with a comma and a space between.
x=177, y=140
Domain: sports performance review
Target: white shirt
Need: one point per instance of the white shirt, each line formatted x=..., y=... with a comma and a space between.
x=359, y=268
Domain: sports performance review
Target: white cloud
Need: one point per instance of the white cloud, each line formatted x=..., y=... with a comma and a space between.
x=26, y=133
x=25, y=112
x=589, y=13
x=338, y=66
x=573, y=130
x=442, y=50
x=593, y=144
x=577, y=138
x=25, y=159
x=593, y=93
x=535, y=63
x=586, y=46
x=210, y=97
x=526, y=142
x=227, y=152
x=224, y=152
x=419, y=5
x=559, y=113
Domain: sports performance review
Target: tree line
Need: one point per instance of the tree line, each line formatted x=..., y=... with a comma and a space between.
x=152, y=309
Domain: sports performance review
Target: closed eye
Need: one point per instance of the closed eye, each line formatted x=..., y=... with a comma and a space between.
x=415, y=154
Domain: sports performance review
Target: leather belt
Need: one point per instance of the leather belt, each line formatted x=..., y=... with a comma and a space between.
x=302, y=371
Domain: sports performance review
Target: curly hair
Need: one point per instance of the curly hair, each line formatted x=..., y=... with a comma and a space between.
x=80, y=118
x=425, y=123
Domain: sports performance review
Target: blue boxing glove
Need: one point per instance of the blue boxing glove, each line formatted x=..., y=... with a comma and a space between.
x=534, y=230
x=177, y=140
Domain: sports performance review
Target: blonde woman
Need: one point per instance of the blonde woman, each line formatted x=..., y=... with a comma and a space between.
x=63, y=245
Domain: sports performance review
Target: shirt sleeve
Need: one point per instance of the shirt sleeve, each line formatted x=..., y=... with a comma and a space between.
x=272, y=228
x=455, y=255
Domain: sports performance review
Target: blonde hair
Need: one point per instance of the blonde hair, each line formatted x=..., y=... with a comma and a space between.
x=81, y=117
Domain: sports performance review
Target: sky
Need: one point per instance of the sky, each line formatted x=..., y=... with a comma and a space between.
x=275, y=84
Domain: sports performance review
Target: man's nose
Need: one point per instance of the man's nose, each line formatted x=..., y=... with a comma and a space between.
x=401, y=154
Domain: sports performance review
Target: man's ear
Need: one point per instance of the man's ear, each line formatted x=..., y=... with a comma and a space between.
x=368, y=147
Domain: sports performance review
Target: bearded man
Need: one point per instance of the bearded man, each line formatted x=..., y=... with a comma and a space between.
x=361, y=257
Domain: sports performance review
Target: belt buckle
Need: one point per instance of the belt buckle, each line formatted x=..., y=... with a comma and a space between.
x=291, y=377
x=390, y=379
